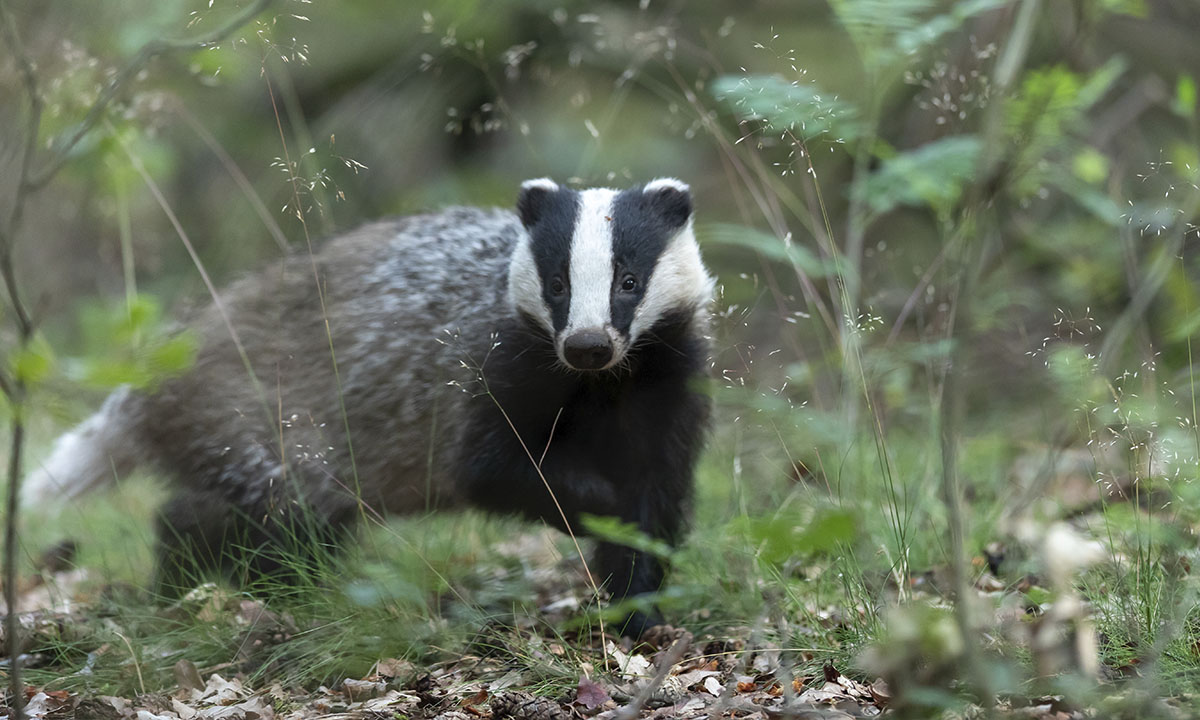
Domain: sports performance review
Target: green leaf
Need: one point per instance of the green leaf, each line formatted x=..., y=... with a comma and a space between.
x=801, y=110
x=1074, y=374
x=1187, y=326
x=875, y=25
x=173, y=356
x=933, y=175
x=1101, y=81
x=767, y=245
x=785, y=535
x=616, y=531
x=131, y=344
x=1185, y=96
x=1090, y=166
x=1136, y=8
x=912, y=40
x=32, y=363
x=1039, y=595
x=886, y=31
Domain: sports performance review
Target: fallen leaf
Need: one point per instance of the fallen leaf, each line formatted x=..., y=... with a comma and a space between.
x=695, y=677
x=632, y=667
x=591, y=694
x=881, y=693
x=187, y=677
x=185, y=712
x=359, y=690
x=393, y=668
x=220, y=691
x=476, y=699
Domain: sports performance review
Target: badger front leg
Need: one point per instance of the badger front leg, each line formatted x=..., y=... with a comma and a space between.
x=277, y=542
x=656, y=504
x=658, y=513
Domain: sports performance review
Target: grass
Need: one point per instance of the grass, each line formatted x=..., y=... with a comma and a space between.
x=825, y=525
x=794, y=548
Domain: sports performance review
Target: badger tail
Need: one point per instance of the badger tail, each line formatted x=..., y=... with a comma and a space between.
x=97, y=453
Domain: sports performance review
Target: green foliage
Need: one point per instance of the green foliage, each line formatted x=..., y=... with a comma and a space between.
x=614, y=530
x=1137, y=8
x=798, y=110
x=822, y=522
x=793, y=534
x=887, y=32
x=32, y=363
x=132, y=345
x=1045, y=116
x=783, y=251
x=1185, y=96
x=932, y=175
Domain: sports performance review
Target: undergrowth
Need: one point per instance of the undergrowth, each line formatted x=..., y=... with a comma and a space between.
x=956, y=441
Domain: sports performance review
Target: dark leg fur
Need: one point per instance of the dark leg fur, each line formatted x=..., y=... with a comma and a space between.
x=622, y=446
x=201, y=535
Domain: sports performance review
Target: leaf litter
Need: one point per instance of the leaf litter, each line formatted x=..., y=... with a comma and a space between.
x=672, y=675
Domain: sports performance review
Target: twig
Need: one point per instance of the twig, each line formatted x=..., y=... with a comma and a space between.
x=950, y=407
x=13, y=385
x=669, y=658
x=137, y=666
x=156, y=192
x=147, y=53
x=14, y=388
x=235, y=172
x=8, y=229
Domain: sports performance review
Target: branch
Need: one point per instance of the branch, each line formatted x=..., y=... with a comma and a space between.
x=28, y=182
x=669, y=658
x=8, y=230
x=148, y=51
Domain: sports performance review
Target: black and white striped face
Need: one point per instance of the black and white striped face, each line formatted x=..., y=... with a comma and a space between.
x=601, y=267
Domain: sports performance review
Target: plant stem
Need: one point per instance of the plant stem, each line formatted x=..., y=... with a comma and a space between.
x=28, y=181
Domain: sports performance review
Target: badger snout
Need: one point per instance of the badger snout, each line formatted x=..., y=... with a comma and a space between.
x=588, y=350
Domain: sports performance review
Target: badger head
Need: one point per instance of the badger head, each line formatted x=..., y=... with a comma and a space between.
x=598, y=269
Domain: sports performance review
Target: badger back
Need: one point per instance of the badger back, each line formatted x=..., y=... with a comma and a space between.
x=600, y=269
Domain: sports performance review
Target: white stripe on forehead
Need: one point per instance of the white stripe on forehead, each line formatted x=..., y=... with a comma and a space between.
x=591, y=272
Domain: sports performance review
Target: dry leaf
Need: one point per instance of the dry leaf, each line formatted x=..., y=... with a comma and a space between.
x=359, y=690
x=393, y=668
x=476, y=699
x=591, y=694
x=187, y=677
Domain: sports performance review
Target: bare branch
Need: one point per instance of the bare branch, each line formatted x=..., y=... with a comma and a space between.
x=8, y=229
x=15, y=389
x=669, y=658
x=28, y=182
x=148, y=51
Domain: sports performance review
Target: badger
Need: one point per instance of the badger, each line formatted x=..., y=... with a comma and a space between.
x=547, y=363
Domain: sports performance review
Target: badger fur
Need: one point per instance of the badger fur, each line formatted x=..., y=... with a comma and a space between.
x=477, y=356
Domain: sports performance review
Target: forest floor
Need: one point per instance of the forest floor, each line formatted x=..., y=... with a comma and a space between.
x=523, y=669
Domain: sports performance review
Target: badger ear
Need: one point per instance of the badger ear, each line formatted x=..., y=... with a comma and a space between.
x=534, y=199
x=670, y=199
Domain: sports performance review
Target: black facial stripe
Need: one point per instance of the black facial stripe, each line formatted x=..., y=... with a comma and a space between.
x=640, y=234
x=551, y=234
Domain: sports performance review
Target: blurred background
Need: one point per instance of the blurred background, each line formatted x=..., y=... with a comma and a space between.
x=945, y=232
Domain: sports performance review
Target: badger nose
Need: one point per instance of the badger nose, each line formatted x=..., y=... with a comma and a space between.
x=588, y=350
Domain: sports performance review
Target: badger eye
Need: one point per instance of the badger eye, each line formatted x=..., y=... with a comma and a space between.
x=629, y=283
x=557, y=287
